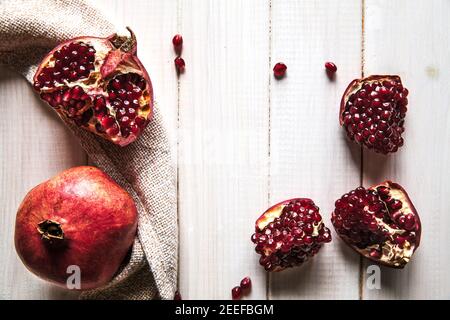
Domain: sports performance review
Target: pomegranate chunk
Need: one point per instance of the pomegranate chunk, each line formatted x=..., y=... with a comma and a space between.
x=380, y=223
x=289, y=233
x=373, y=111
x=98, y=84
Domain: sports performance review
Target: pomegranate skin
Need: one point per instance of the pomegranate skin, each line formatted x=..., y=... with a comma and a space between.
x=98, y=220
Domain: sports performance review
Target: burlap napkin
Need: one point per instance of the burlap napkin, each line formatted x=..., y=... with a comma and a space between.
x=28, y=29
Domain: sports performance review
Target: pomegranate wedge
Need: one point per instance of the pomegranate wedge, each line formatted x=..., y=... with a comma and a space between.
x=380, y=223
x=372, y=112
x=99, y=84
x=289, y=233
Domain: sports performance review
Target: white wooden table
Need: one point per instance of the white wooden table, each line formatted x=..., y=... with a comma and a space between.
x=244, y=140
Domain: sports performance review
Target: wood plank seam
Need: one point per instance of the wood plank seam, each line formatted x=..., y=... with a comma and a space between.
x=177, y=150
x=269, y=132
x=361, y=259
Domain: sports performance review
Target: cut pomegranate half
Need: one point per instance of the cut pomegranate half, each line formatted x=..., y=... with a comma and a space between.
x=289, y=233
x=380, y=223
x=372, y=112
x=98, y=84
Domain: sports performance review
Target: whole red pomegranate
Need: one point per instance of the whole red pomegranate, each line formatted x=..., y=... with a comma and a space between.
x=99, y=84
x=373, y=111
x=289, y=233
x=78, y=218
x=380, y=223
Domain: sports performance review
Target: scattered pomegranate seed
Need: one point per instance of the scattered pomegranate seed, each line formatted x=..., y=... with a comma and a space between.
x=330, y=67
x=236, y=293
x=279, y=70
x=179, y=64
x=177, y=296
x=177, y=43
x=246, y=283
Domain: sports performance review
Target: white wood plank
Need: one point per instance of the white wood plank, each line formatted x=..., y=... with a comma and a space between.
x=35, y=146
x=223, y=141
x=411, y=39
x=309, y=153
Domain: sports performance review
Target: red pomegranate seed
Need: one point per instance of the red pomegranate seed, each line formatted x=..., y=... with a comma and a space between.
x=330, y=67
x=108, y=121
x=134, y=128
x=113, y=130
x=177, y=42
x=236, y=293
x=177, y=296
x=179, y=64
x=246, y=283
x=279, y=70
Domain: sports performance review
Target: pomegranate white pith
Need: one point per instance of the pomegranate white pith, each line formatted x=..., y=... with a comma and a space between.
x=98, y=84
x=289, y=233
x=380, y=223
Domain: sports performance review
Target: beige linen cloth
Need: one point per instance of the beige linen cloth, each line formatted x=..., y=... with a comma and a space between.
x=28, y=30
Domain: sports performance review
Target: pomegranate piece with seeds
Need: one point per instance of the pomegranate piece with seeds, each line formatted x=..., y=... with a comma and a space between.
x=373, y=110
x=98, y=84
x=289, y=233
x=380, y=223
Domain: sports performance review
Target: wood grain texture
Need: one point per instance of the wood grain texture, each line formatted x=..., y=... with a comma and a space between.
x=244, y=140
x=411, y=39
x=310, y=157
x=223, y=144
